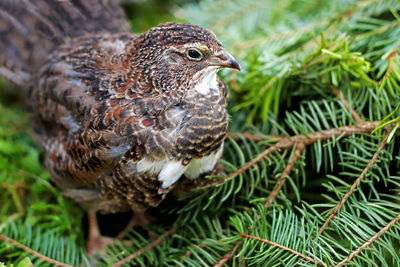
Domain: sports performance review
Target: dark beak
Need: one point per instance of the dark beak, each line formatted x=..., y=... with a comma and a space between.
x=226, y=60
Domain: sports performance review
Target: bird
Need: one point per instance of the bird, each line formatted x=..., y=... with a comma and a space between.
x=121, y=117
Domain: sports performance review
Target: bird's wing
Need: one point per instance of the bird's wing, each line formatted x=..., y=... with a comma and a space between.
x=88, y=116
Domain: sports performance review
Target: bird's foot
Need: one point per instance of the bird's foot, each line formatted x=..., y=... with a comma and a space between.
x=98, y=242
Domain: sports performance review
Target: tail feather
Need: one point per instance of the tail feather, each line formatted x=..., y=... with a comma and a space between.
x=31, y=29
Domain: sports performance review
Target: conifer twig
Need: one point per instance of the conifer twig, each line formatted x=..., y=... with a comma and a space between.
x=286, y=143
x=355, y=184
x=224, y=259
x=189, y=252
x=247, y=135
x=281, y=247
x=33, y=252
x=369, y=242
x=282, y=179
x=355, y=115
x=390, y=67
x=146, y=248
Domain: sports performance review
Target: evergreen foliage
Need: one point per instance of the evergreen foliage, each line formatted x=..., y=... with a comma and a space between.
x=318, y=98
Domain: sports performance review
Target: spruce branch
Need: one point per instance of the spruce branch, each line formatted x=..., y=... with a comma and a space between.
x=370, y=241
x=355, y=184
x=281, y=247
x=286, y=143
x=189, y=252
x=11, y=218
x=31, y=251
x=246, y=44
x=355, y=115
x=251, y=136
x=282, y=179
x=224, y=259
x=223, y=22
x=390, y=57
x=146, y=248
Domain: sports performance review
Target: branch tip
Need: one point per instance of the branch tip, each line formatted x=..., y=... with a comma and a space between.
x=370, y=241
x=355, y=184
x=146, y=248
x=33, y=252
x=282, y=247
x=282, y=179
x=286, y=143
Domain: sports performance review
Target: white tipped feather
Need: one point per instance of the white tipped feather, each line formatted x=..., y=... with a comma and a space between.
x=170, y=171
x=152, y=167
x=202, y=165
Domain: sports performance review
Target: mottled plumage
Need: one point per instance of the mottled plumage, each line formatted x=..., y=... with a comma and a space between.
x=121, y=117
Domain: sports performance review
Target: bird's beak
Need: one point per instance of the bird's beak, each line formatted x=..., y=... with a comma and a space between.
x=227, y=61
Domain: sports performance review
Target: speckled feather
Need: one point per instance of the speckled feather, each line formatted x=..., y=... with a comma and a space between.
x=120, y=116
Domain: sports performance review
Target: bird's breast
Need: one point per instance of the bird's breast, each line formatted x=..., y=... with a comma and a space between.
x=190, y=142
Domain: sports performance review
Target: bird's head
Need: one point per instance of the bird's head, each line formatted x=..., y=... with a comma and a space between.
x=184, y=55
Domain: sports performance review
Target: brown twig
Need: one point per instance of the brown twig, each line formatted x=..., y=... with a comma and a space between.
x=247, y=135
x=35, y=253
x=189, y=252
x=146, y=248
x=282, y=179
x=390, y=67
x=369, y=242
x=281, y=247
x=224, y=259
x=355, y=184
x=346, y=104
x=288, y=142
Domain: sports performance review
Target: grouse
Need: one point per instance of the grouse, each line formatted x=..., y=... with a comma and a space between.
x=120, y=117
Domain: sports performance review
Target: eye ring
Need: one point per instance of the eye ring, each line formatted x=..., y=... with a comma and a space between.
x=194, y=54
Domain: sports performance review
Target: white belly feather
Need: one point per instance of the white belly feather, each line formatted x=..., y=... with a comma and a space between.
x=170, y=171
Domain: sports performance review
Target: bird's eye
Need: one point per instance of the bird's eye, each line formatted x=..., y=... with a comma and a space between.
x=194, y=54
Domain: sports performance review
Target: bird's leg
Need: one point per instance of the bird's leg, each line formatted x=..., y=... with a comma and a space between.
x=95, y=240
